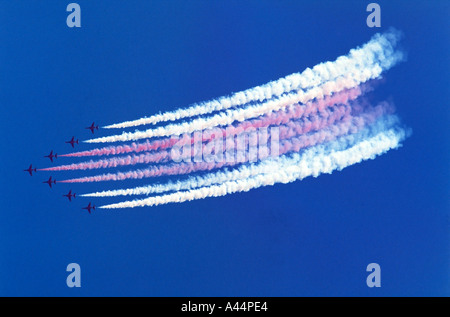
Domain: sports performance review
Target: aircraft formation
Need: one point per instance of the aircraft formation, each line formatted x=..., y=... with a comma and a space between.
x=302, y=125
x=52, y=156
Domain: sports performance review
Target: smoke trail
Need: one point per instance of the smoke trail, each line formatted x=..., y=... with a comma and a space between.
x=380, y=47
x=191, y=182
x=352, y=77
x=294, y=111
x=294, y=144
x=242, y=172
x=252, y=111
x=313, y=162
x=322, y=126
x=289, y=130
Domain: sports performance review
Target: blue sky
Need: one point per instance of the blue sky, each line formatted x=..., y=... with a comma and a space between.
x=135, y=58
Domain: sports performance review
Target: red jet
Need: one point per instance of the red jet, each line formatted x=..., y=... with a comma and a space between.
x=51, y=156
x=30, y=170
x=50, y=182
x=92, y=127
x=70, y=195
x=73, y=141
x=89, y=207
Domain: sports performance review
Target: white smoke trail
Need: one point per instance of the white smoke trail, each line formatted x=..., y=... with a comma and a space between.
x=253, y=111
x=294, y=111
x=380, y=47
x=289, y=143
x=245, y=171
x=191, y=182
x=311, y=163
x=267, y=166
x=384, y=58
x=288, y=131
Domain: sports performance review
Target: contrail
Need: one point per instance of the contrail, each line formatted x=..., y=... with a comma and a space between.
x=291, y=112
x=379, y=47
x=375, y=64
x=313, y=162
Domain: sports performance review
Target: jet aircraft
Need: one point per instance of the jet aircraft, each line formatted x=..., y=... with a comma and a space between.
x=50, y=182
x=72, y=142
x=92, y=127
x=70, y=195
x=30, y=170
x=89, y=207
x=51, y=156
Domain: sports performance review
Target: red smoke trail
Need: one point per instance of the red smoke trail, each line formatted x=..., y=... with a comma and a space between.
x=295, y=111
x=350, y=125
x=291, y=129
